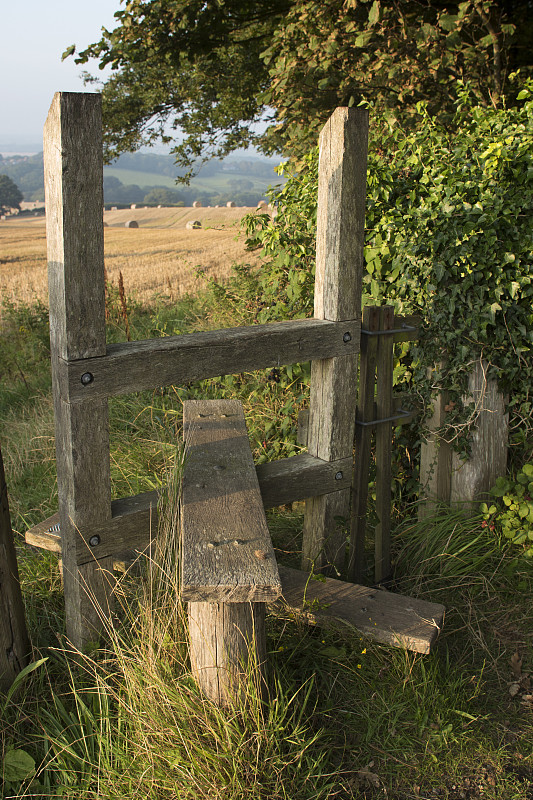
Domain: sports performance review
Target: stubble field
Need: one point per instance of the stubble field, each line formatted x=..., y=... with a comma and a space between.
x=160, y=257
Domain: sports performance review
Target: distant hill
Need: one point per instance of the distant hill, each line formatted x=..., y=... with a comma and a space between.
x=148, y=177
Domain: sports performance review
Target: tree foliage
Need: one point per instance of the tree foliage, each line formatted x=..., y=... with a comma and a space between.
x=448, y=236
x=212, y=69
x=10, y=194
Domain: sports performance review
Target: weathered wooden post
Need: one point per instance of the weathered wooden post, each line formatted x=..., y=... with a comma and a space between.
x=14, y=643
x=338, y=281
x=444, y=476
x=74, y=230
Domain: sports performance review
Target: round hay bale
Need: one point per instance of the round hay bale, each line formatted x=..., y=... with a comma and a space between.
x=262, y=204
x=193, y=224
x=230, y=204
x=133, y=205
x=132, y=223
x=197, y=204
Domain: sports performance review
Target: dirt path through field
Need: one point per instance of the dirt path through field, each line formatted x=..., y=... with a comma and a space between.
x=159, y=257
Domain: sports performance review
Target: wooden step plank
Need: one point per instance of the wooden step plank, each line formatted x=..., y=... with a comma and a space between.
x=387, y=617
x=227, y=554
x=148, y=364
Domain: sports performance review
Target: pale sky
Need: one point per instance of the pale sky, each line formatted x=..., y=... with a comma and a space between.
x=33, y=35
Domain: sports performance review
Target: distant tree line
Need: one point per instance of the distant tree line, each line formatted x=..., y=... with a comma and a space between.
x=28, y=174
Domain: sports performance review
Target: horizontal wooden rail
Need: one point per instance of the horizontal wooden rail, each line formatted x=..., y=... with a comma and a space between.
x=134, y=519
x=148, y=364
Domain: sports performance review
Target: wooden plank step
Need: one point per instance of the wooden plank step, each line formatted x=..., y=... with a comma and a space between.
x=226, y=550
x=387, y=617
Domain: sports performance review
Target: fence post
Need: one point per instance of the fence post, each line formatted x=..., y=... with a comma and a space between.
x=444, y=476
x=435, y=459
x=472, y=478
x=74, y=230
x=14, y=642
x=339, y=270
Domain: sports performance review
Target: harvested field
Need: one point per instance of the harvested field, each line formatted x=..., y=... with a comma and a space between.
x=154, y=259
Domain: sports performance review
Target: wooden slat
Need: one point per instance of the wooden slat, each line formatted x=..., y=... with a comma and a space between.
x=226, y=551
x=74, y=231
x=363, y=441
x=339, y=271
x=15, y=646
x=384, y=368
x=300, y=477
x=393, y=619
x=134, y=366
x=133, y=524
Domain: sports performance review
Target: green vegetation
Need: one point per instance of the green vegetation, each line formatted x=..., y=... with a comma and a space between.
x=133, y=176
x=448, y=236
x=511, y=513
x=346, y=717
x=10, y=194
x=212, y=69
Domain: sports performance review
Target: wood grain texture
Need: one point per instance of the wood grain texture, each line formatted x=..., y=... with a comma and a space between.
x=393, y=619
x=300, y=477
x=363, y=444
x=228, y=649
x=15, y=645
x=338, y=279
x=226, y=550
x=472, y=478
x=384, y=367
x=435, y=459
x=74, y=198
x=341, y=215
x=134, y=520
x=134, y=366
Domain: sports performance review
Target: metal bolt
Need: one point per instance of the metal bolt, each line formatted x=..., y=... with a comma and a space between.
x=87, y=378
x=347, y=337
x=338, y=476
x=94, y=540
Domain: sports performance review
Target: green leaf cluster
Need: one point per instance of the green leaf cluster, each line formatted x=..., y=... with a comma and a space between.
x=212, y=70
x=511, y=513
x=448, y=236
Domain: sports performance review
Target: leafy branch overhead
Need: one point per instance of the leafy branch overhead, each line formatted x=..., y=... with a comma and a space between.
x=214, y=69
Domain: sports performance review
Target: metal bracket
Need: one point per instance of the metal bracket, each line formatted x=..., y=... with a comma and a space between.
x=401, y=415
x=403, y=329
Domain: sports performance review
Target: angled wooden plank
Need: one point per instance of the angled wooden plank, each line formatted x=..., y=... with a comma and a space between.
x=74, y=231
x=226, y=551
x=390, y=618
x=147, y=364
x=15, y=647
x=133, y=523
x=339, y=271
x=299, y=477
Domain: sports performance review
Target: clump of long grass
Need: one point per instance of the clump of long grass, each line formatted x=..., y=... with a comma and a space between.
x=135, y=723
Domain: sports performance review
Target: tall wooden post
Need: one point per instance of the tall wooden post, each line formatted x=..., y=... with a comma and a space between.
x=74, y=230
x=338, y=281
x=14, y=642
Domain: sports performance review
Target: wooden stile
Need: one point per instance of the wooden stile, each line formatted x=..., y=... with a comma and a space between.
x=228, y=566
x=14, y=642
x=338, y=279
x=74, y=231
